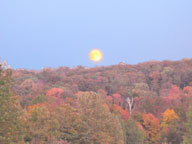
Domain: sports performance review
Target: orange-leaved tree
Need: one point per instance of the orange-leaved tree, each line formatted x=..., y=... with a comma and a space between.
x=55, y=92
x=151, y=127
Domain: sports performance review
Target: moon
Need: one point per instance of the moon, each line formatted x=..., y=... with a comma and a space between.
x=96, y=55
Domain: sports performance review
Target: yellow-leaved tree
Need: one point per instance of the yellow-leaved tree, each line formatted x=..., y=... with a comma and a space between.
x=169, y=116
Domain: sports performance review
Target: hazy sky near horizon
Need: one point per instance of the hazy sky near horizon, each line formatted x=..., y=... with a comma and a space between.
x=53, y=33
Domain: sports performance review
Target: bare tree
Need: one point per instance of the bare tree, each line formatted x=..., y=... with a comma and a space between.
x=130, y=102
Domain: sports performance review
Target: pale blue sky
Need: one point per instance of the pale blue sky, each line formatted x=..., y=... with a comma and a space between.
x=53, y=33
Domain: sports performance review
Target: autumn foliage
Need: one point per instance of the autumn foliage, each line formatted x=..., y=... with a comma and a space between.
x=151, y=127
x=169, y=116
x=147, y=103
x=55, y=92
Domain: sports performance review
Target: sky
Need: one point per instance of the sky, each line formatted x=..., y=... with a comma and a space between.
x=53, y=33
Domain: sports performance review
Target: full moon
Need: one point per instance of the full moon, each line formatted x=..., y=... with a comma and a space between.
x=95, y=55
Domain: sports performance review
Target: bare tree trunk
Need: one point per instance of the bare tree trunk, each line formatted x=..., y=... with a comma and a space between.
x=130, y=102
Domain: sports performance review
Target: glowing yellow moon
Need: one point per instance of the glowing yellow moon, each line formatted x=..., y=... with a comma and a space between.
x=95, y=55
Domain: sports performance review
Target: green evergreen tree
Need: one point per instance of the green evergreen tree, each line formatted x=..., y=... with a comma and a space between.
x=10, y=111
x=188, y=134
x=132, y=133
x=100, y=125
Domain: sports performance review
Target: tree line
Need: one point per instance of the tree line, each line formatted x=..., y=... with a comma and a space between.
x=147, y=103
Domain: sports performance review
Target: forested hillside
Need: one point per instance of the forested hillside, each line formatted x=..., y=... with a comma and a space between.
x=147, y=103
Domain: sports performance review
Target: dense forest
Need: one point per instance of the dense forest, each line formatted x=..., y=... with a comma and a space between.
x=147, y=103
